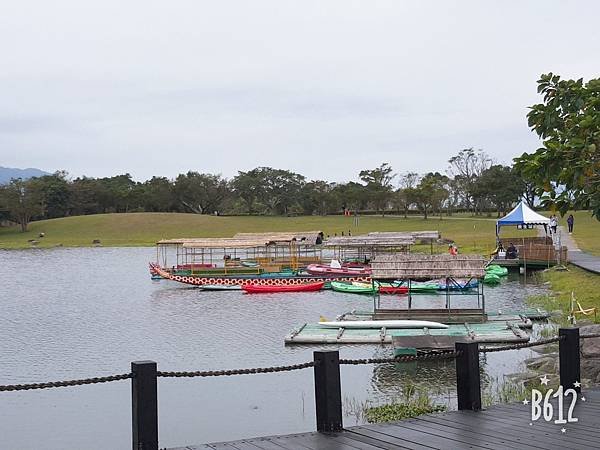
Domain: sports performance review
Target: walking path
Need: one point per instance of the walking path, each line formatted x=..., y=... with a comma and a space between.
x=577, y=257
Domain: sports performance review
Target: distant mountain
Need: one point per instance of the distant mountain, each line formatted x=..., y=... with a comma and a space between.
x=6, y=173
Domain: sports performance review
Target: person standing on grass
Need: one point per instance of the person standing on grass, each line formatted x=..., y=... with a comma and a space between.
x=570, y=222
x=553, y=223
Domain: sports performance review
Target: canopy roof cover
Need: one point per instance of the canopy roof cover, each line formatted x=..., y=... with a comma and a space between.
x=522, y=215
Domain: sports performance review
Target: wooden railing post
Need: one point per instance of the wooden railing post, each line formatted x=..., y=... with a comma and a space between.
x=328, y=391
x=468, y=388
x=144, y=405
x=568, y=355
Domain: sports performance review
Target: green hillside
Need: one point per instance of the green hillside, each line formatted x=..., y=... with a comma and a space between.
x=143, y=229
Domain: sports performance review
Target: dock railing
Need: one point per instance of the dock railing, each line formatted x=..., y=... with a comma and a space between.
x=328, y=393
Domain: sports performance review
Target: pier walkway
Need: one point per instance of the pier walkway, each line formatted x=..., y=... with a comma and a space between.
x=498, y=427
x=577, y=257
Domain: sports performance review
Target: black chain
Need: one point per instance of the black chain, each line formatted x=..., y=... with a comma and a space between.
x=55, y=384
x=518, y=346
x=406, y=358
x=219, y=373
x=583, y=336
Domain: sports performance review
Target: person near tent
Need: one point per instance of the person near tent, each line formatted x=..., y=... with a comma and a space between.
x=553, y=223
x=499, y=252
x=570, y=222
x=512, y=252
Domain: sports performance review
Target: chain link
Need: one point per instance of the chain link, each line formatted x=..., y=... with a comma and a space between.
x=583, y=336
x=55, y=384
x=218, y=373
x=406, y=358
x=518, y=346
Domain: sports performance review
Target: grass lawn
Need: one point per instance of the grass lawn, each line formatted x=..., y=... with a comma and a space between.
x=583, y=284
x=586, y=231
x=143, y=229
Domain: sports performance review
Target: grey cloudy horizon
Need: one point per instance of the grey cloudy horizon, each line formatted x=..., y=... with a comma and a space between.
x=322, y=88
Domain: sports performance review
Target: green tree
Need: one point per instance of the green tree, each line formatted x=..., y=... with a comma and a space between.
x=22, y=200
x=200, y=193
x=430, y=193
x=379, y=185
x=566, y=169
x=83, y=196
x=403, y=197
x=55, y=194
x=352, y=196
x=249, y=187
x=159, y=195
x=316, y=196
x=499, y=185
x=281, y=189
x=465, y=168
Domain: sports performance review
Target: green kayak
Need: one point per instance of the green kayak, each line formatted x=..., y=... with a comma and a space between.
x=496, y=270
x=416, y=286
x=491, y=278
x=353, y=288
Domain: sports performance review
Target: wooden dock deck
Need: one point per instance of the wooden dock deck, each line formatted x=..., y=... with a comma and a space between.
x=498, y=427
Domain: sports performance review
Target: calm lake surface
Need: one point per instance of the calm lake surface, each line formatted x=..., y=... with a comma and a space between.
x=77, y=313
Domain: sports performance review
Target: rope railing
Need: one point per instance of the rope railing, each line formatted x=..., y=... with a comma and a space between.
x=430, y=356
x=406, y=358
x=594, y=335
x=65, y=383
x=519, y=346
x=219, y=373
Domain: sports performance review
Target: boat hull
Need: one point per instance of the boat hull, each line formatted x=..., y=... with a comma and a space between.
x=308, y=287
x=398, y=324
x=393, y=290
x=352, y=288
x=242, y=280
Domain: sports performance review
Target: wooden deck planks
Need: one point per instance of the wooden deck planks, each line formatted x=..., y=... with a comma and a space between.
x=504, y=440
x=498, y=427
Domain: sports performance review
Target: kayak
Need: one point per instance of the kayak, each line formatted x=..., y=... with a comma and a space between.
x=250, y=264
x=353, y=288
x=425, y=286
x=221, y=287
x=491, y=278
x=496, y=270
x=383, y=324
x=392, y=289
x=320, y=269
x=459, y=285
x=306, y=287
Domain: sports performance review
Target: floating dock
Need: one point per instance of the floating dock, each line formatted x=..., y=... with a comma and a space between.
x=490, y=332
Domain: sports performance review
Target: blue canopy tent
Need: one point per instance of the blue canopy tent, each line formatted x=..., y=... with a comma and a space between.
x=522, y=215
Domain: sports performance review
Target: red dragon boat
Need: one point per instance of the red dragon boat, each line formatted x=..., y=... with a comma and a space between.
x=305, y=287
x=243, y=280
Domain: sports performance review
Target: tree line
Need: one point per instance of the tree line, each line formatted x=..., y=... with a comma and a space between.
x=563, y=174
x=472, y=182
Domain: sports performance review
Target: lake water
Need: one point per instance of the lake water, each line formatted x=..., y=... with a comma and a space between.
x=77, y=313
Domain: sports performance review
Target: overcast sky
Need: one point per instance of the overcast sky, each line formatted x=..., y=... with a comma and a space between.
x=323, y=88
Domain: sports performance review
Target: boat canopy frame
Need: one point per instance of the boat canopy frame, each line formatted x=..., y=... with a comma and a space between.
x=407, y=269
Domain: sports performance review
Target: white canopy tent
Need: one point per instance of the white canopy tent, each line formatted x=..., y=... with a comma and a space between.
x=522, y=214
